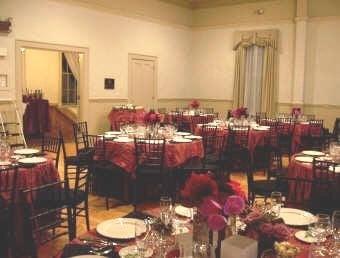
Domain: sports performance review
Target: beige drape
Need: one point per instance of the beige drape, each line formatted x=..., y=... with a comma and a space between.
x=268, y=40
x=72, y=59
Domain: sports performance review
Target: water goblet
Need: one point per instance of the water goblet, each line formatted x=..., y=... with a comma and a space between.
x=140, y=238
x=336, y=231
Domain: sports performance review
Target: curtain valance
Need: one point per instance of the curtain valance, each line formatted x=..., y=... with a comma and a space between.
x=261, y=38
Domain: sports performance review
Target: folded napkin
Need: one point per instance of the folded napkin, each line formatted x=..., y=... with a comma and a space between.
x=71, y=250
x=137, y=215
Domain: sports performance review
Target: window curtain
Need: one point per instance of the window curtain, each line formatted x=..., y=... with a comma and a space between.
x=267, y=40
x=253, y=79
x=72, y=59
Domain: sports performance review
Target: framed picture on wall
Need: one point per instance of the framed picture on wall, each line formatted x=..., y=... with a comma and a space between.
x=109, y=83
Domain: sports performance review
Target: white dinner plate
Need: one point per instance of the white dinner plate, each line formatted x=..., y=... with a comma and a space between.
x=114, y=132
x=33, y=160
x=262, y=128
x=296, y=217
x=5, y=163
x=26, y=151
x=121, y=228
x=132, y=250
x=304, y=159
x=313, y=153
x=107, y=136
x=183, y=211
x=193, y=137
x=123, y=140
x=336, y=169
x=181, y=140
x=304, y=236
x=182, y=133
x=88, y=256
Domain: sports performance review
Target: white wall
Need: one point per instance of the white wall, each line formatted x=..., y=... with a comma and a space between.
x=109, y=38
x=214, y=59
x=323, y=62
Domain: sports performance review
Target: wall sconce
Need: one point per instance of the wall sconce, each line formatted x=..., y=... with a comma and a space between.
x=259, y=11
x=5, y=25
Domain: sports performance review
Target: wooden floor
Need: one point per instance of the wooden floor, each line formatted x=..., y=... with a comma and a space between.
x=98, y=213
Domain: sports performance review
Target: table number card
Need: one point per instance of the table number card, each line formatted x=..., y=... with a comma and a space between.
x=239, y=246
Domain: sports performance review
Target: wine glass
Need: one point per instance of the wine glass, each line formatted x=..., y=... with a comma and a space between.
x=336, y=231
x=165, y=203
x=141, y=229
x=276, y=202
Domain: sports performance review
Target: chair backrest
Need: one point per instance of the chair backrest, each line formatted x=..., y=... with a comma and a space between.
x=43, y=213
x=79, y=130
x=181, y=122
x=259, y=116
x=324, y=171
x=336, y=129
x=150, y=152
x=52, y=146
x=285, y=126
x=316, y=128
x=294, y=189
x=309, y=116
x=98, y=144
x=208, y=110
x=238, y=136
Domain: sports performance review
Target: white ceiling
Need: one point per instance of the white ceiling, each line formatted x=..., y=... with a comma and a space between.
x=195, y=4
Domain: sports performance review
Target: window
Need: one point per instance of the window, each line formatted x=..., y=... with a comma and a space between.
x=69, y=87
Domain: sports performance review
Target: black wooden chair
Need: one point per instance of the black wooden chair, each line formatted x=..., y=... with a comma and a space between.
x=77, y=176
x=8, y=182
x=259, y=116
x=47, y=214
x=150, y=159
x=285, y=130
x=51, y=146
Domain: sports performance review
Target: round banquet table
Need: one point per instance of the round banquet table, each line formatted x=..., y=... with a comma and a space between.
x=256, y=137
x=126, y=115
x=176, y=154
x=303, y=170
x=185, y=239
x=38, y=175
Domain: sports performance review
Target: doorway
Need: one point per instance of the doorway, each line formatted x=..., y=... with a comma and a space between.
x=58, y=74
x=143, y=80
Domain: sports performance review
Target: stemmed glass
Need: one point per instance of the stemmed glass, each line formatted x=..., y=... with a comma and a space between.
x=141, y=231
x=320, y=230
x=276, y=202
x=166, y=209
x=336, y=231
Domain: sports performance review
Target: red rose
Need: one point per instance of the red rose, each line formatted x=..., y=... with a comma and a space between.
x=216, y=222
x=281, y=232
x=209, y=207
x=266, y=229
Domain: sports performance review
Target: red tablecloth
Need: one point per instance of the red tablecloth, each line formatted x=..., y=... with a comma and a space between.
x=36, y=117
x=176, y=154
x=299, y=130
x=28, y=178
x=120, y=115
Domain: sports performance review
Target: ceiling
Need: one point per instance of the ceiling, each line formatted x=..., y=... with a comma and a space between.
x=196, y=4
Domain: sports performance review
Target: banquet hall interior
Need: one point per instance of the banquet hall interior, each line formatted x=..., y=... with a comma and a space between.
x=169, y=128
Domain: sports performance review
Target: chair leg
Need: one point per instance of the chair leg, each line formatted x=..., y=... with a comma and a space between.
x=71, y=234
x=74, y=221
x=87, y=217
x=107, y=203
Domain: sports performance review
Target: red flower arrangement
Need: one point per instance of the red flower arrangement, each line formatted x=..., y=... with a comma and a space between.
x=265, y=227
x=215, y=202
x=152, y=117
x=296, y=111
x=194, y=104
x=239, y=112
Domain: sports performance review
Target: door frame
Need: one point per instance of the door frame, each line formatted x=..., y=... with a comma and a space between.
x=83, y=87
x=154, y=59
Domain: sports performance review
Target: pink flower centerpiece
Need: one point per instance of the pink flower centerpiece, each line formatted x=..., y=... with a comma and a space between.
x=194, y=104
x=152, y=117
x=296, y=112
x=215, y=202
x=239, y=112
x=265, y=228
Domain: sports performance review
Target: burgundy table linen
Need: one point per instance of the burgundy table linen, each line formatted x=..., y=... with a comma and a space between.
x=299, y=131
x=38, y=175
x=128, y=116
x=190, y=119
x=36, y=118
x=176, y=154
